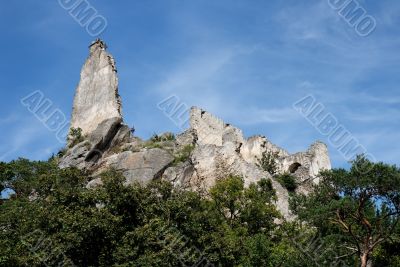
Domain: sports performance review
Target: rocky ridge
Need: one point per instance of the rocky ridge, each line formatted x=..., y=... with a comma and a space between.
x=209, y=150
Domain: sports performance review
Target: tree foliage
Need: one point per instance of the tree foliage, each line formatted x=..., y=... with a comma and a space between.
x=359, y=209
x=75, y=136
x=54, y=220
x=267, y=162
x=287, y=180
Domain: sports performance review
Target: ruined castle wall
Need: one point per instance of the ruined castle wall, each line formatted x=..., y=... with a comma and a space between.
x=211, y=130
x=220, y=149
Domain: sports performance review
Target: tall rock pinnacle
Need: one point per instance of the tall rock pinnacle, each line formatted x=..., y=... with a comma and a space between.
x=96, y=98
x=208, y=151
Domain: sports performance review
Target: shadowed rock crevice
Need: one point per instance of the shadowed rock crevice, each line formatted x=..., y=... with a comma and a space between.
x=103, y=136
x=195, y=159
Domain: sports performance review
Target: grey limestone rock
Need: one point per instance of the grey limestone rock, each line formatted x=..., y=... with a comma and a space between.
x=214, y=149
x=75, y=156
x=180, y=175
x=96, y=98
x=222, y=150
x=105, y=132
x=143, y=166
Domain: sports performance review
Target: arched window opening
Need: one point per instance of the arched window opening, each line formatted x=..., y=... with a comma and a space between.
x=293, y=168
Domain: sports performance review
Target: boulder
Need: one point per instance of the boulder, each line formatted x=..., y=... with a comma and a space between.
x=188, y=137
x=105, y=132
x=75, y=156
x=143, y=166
x=180, y=175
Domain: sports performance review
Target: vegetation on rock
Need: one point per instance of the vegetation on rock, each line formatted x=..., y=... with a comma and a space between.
x=159, y=141
x=287, y=180
x=183, y=154
x=75, y=136
x=54, y=220
x=267, y=162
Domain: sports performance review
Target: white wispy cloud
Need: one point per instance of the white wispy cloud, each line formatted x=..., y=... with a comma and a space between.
x=253, y=115
x=368, y=98
x=8, y=119
x=24, y=132
x=374, y=115
x=197, y=80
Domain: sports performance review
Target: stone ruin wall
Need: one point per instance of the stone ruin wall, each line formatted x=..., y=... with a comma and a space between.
x=220, y=149
x=211, y=130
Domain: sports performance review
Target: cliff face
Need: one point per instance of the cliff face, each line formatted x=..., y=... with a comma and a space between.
x=96, y=97
x=209, y=150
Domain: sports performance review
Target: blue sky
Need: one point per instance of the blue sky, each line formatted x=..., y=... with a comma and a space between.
x=245, y=61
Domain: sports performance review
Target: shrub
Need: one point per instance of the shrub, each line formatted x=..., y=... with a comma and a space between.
x=75, y=136
x=268, y=162
x=183, y=154
x=288, y=181
x=61, y=152
x=168, y=137
x=155, y=138
x=156, y=141
x=160, y=138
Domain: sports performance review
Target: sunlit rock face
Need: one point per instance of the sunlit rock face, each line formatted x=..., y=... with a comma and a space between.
x=96, y=97
x=213, y=131
x=214, y=149
x=221, y=150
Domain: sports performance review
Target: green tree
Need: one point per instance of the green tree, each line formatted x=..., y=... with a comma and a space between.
x=75, y=137
x=244, y=220
x=160, y=225
x=288, y=181
x=267, y=162
x=361, y=206
x=54, y=218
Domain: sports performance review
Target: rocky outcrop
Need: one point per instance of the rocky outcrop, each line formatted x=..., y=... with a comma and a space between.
x=143, y=166
x=222, y=150
x=195, y=159
x=180, y=175
x=96, y=98
x=212, y=131
x=109, y=134
x=212, y=163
